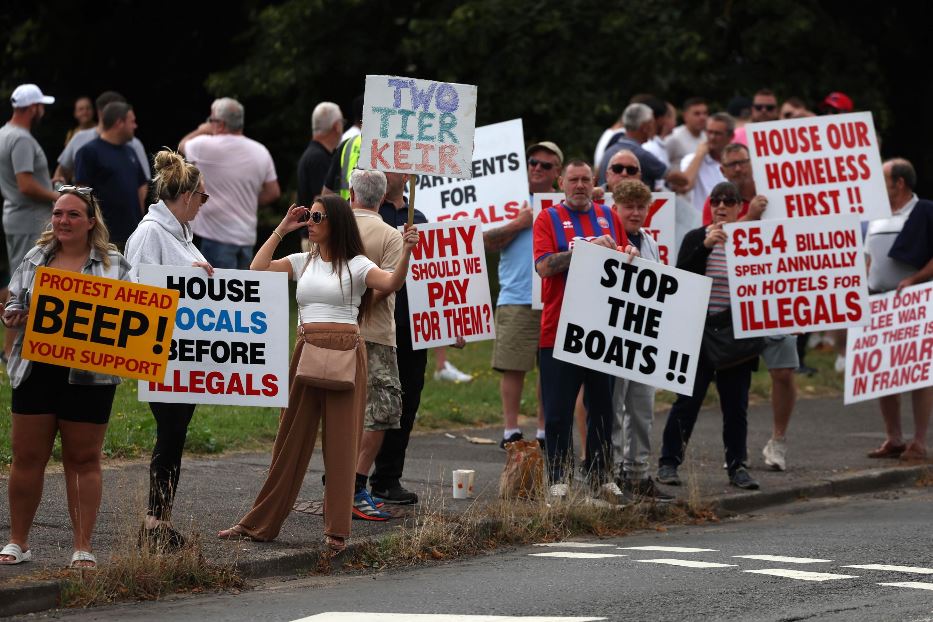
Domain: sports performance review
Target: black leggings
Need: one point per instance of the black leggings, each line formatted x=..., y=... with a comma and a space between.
x=171, y=430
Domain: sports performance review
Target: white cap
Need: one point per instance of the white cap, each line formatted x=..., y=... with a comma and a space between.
x=29, y=94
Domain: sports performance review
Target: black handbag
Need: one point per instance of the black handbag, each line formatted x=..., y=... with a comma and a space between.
x=721, y=348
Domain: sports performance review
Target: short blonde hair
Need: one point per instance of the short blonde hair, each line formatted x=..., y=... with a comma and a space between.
x=631, y=191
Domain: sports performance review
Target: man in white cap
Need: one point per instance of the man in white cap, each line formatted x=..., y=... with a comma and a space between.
x=24, y=180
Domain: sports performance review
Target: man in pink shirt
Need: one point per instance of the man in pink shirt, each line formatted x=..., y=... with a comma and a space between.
x=239, y=175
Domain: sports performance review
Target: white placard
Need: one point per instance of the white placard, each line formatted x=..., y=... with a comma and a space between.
x=642, y=321
x=661, y=224
x=539, y=202
x=499, y=185
x=230, y=344
x=448, y=285
x=418, y=126
x=798, y=275
x=893, y=353
x=819, y=166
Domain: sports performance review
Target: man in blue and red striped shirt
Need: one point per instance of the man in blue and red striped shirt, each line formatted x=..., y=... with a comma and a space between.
x=557, y=229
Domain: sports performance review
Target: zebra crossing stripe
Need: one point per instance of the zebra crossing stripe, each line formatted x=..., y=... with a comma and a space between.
x=575, y=555
x=786, y=560
x=668, y=549
x=916, y=585
x=688, y=563
x=802, y=575
x=888, y=568
x=574, y=545
x=356, y=616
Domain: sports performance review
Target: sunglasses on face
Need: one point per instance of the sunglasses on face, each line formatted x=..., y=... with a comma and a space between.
x=315, y=217
x=618, y=168
x=727, y=201
x=546, y=166
x=761, y=107
x=204, y=196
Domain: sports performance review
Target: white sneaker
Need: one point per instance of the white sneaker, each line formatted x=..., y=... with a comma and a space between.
x=840, y=364
x=775, y=454
x=558, y=491
x=611, y=492
x=451, y=374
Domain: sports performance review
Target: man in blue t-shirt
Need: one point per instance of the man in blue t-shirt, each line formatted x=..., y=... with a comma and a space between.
x=110, y=166
x=517, y=324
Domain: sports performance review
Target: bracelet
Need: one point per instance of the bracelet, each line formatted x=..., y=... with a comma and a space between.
x=278, y=235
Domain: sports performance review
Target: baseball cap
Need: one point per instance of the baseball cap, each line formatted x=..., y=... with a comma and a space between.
x=29, y=94
x=839, y=101
x=547, y=146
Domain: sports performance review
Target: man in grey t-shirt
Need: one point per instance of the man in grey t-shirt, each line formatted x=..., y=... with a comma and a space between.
x=24, y=179
x=66, y=161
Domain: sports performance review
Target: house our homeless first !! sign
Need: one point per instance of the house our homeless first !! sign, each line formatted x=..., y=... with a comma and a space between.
x=418, y=126
x=100, y=325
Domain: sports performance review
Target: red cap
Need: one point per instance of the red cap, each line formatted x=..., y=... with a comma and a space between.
x=839, y=101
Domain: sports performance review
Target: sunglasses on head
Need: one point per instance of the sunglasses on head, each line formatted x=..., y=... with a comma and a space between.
x=727, y=201
x=533, y=162
x=85, y=191
x=618, y=168
x=768, y=107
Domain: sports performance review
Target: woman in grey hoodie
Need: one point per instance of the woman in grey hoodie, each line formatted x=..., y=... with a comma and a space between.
x=164, y=238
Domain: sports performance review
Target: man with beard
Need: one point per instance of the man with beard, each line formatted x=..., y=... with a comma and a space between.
x=24, y=180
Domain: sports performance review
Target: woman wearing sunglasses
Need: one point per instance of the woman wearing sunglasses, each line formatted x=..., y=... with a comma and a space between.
x=163, y=238
x=335, y=283
x=703, y=252
x=52, y=399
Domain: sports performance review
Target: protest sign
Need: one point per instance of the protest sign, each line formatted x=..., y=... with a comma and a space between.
x=448, y=285
x=798, y=275
x=819, y=166
x=640, y=320
x=661, y=224
x=894, y=352
x=418, y=126
x=230, y=344
x=100, y=325
x=539, y=202
x=499, y=185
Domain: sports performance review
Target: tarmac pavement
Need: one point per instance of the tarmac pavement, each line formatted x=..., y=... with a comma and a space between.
x=826, y=456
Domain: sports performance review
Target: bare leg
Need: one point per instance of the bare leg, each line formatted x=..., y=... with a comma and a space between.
x=33, y=437
x=510, y=389
x=370, y=444
x=923, y=404
x=891, y=413
x=783, y=398
x=81, y=444
x=440, y=358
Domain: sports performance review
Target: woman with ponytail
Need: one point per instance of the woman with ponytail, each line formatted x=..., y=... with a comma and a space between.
x=164, y=238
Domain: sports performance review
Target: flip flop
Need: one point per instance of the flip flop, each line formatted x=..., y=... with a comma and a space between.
x=83, y=556
x=19, y=555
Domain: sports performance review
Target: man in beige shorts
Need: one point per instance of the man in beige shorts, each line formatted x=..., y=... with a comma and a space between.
x=383, y=245
x=518, y=325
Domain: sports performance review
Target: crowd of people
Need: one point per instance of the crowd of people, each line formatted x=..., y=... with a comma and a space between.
x=107, y=209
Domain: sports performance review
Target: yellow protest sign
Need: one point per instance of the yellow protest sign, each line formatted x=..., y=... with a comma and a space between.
x=100, y=325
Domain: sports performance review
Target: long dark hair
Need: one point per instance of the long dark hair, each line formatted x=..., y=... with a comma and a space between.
x=344, y=243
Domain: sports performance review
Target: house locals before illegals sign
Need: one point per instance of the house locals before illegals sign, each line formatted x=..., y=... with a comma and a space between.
x=499, y=183
x=819, y=166
x=418, y=126
x=230, y=344
x=640, y=320
x=796, y=275
x=893, y=354
x=448, y=285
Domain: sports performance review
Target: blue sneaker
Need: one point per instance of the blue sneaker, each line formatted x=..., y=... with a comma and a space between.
x=364, y=508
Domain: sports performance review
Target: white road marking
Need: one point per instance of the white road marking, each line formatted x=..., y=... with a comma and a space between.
x=786, y=560
x=689, y=563
x=887, y=568
x=670, y=549
x=917, y=585
x=572, y=555
x=357, y=616
x=802, y=575
x=574, y=545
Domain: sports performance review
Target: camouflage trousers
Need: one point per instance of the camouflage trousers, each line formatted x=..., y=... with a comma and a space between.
x=384, y=390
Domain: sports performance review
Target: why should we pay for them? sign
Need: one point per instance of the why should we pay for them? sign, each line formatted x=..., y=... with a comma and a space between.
x=100, y=325
x=418, y=126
